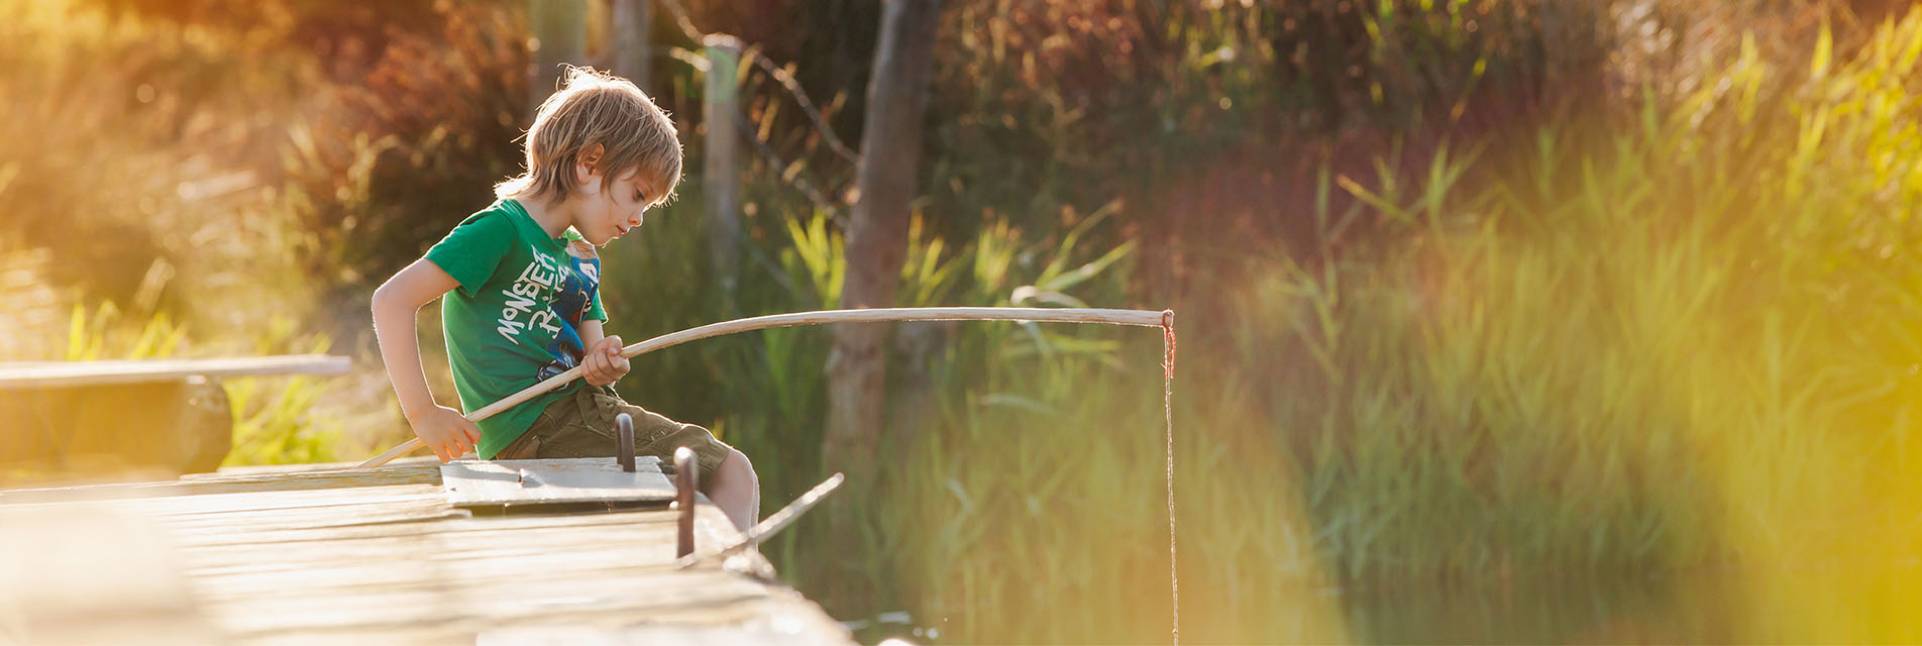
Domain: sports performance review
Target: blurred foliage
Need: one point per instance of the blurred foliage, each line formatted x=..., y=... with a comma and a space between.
x=87, y=335
x=430, y=123
x=278, y=426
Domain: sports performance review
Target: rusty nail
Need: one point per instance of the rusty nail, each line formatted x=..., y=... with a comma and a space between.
x=687, y=477
x=625, y=454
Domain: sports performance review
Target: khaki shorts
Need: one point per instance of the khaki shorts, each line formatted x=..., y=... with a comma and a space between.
x=582, y=425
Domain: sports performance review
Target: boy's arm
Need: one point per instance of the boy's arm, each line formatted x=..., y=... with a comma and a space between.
x=396, y=303
x=602, y=362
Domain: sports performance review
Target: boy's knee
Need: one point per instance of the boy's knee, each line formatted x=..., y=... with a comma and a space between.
x=738, y=462
x=733, y=473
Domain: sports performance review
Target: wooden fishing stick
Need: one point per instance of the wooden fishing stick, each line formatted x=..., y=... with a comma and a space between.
x=1145, y=318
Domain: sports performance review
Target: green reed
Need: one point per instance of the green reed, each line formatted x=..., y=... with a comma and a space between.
x=1685, y=348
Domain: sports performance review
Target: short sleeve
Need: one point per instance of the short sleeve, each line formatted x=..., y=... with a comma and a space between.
x=594, y=310
x=472, y=251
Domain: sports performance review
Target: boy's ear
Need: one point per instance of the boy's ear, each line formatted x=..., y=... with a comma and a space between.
x=589, y=162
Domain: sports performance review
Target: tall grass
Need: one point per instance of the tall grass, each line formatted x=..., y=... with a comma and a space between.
x=1678, y=348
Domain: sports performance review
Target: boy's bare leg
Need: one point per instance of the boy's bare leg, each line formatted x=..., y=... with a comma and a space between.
x=737, y=490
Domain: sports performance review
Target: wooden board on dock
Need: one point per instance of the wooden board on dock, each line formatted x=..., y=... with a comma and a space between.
x=333, y=554
x=475, y=483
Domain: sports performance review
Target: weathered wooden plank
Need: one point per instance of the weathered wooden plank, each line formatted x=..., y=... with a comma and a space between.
x=256, y=582
x=398, y=563
x=239, y=481
x=471, y=483
x=427, y=463
x=374, y=516
x=622, y=531
x=570, y=540
x=463, y=527
x=751, y=634
x=52, y=374
x=89, y=575
x=479, y=530
x=319, y=501
x=641, y=546
x=764, y=623
x=638, y=600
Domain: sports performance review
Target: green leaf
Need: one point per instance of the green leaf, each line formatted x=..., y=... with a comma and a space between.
x=1824, y=48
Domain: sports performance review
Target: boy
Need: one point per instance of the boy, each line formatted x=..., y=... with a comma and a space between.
x=521, y=280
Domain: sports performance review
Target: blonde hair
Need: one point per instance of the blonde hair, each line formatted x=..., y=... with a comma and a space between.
x=594, y=107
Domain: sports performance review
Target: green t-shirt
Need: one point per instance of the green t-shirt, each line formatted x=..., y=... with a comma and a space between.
x=515, y=319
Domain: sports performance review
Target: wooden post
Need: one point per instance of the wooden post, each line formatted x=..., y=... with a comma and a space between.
x=720, y=174
x=560, y=36
x=877, y=233
x=687, y=479
x=632, y=21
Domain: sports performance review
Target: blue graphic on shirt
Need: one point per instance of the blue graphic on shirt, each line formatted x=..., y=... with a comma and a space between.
x=577, y=291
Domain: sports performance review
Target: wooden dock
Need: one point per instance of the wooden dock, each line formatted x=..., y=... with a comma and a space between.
x=336, y=554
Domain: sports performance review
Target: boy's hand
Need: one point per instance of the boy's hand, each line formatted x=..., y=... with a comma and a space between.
x=446, y=431
x=603, y=363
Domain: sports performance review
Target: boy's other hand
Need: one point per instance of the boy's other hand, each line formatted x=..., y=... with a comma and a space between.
x=603, y=363
x=446, y=431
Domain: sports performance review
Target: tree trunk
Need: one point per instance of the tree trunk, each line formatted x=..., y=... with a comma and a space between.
x=632, y=20
x=721, y=175
x=560, y=36
x=877, y=233
x=917, y=346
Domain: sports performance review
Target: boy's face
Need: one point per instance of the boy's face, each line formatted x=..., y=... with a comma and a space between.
x=608, y=209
